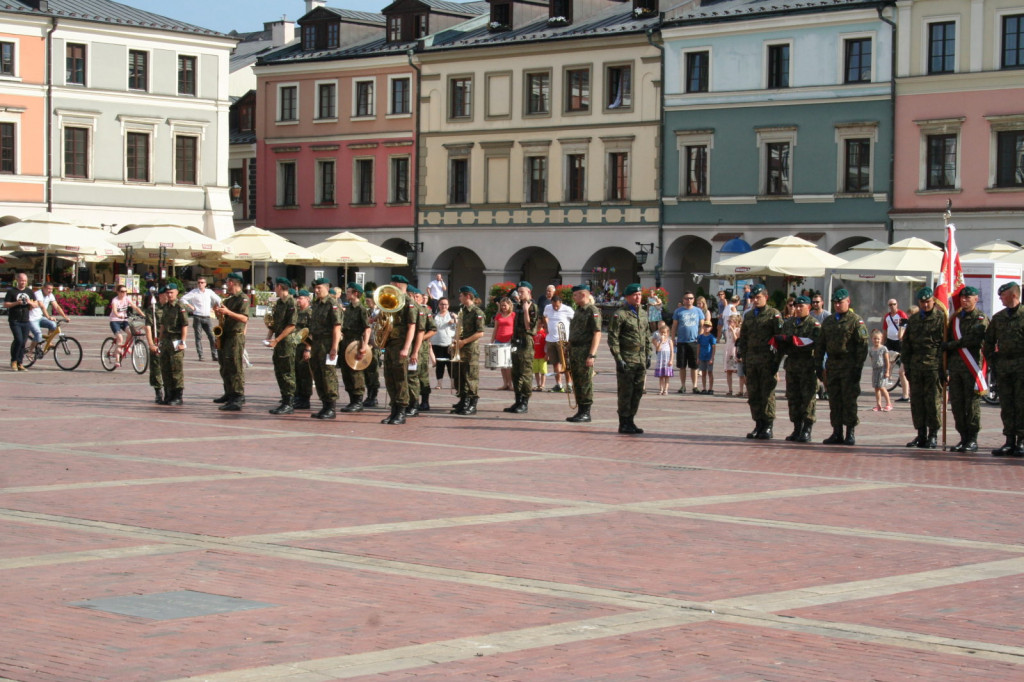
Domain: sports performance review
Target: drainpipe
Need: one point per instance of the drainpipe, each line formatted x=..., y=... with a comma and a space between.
x=48, y=154
x=892, y=125
x=660, y=161
x=415, y=184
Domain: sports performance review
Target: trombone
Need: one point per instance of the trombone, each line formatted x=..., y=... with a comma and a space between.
x=389, y=299
x=563, y=341
x=455, y=354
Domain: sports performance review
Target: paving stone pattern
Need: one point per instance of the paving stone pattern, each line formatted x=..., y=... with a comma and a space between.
x=147, y=543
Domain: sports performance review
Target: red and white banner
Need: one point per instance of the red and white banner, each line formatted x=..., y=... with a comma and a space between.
x=978, y=372
x=951, y=276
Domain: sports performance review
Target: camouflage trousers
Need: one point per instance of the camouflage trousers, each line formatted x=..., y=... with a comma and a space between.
x=325, y=377
x=582, y=376
x=396, y=372
x=172, y=366
x=843, y=386
x=303, y=375
x=1010, y=379
x=232, y=370
x=801, y=391
x=522, y=369
x=630, y=386
x=156, y=379
x=354, y=380
x=466, y=372
x=284, y=367
x=925, y=397
x=964, y=400
x=761, y=382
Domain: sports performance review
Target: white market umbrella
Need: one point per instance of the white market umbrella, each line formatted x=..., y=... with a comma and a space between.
x=992, y=250
x=1015, y=257
x=908, y=260
x=863, y=249
x=787, y=256
x=254, y=244
x=42, y=232
x=180, y=243
x=346, y=248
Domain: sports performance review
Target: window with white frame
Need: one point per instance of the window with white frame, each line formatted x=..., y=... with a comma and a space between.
x=137, y=156
x=1007, y=158
x=327, y=100
x=398, y=181
x=326, y=183
x=694, y=147
x=399, y=95
x=1012, y=52
x=77, y=151
x=941, y=47
x=363, y=98
x=857, y=59
x=855, y=151
x=362, y=182
x=778, y=63
x=287, y=103
x=619, y=87
x=8, y=148
x=186, y=160
x=775, y=153
x=138, y=70
x=940, y=154
x=287, y=185
x=697, y=77
x=74, y=60
x=186, y=75
x=8, y=58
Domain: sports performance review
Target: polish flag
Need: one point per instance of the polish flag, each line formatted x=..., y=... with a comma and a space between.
x=951, y=276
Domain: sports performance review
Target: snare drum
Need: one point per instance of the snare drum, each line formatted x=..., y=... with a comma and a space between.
x=497, y=356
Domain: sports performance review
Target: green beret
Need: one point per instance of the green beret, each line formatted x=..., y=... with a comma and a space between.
x=322, y=280
x=1008, y=286
x=757, y=289
x=413, y=290
x=172, y=285
x=291, y=292
x=356, y=286
x=969, y=291
x=162, y=290
x=283, y=281
x=400, y=279
x=924, y=293
x=304, y=292
x=468, y=290
x=802, y=300
x=236, y=276
x=633, y=289
x=526, y=284
x=581, y=287
x=840, y=295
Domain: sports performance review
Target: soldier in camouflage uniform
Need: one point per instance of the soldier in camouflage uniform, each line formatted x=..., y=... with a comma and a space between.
x=413, y=373
x=760, y=360
x=584, y=339
x=303, y=374
x=397, y=352
x=963, y=353
x=233, y=314
x=1004, y=348
x=523, y=328
x=629, y=339
x=173, y=327
x=283, y=345
x=466, y=372
x=922, y=356
x=325, y=332
x=844, y=340
x=355, y=328
x=152, y=326
x=371, y=375
x=423, y=362
x=799, y=334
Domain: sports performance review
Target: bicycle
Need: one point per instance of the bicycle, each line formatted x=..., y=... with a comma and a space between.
x=893, y=379
x=134, y=345
x=67, y=352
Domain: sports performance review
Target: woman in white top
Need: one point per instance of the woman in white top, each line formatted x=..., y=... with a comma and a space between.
x=440, y=343
x=119, y=306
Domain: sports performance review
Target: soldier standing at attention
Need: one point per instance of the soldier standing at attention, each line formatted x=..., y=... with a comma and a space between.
x=922, y=356
x=371, y=375
x=157, y=302
x=966, y=334
x=303, y=375
x=283, y=345
x=522, y=348
x=584, y=339
x=423, y=361
x=412, y=377
x=355, y=328
x=466, y=373
x=844, y=340
x=760, y=360
x=1004, y=347
x=233, y=314
x=173, y=334
x=799, y=333
x=629, y=339
x=325, y=332
x=397, y=352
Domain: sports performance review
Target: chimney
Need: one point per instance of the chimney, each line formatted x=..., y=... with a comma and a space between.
x=41, y=5
x=282, y=31
x=313, y=4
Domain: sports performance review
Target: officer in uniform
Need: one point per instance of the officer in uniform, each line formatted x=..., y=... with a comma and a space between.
x=283, y=344
x=157, y=301
x=371, y=375
x=466, y=372
x=629, y=339
x=423, y=362
x=760, y=360
x=325, y=332
x=963, y=360
x=844, y=341
x=233, y=314
x=584, y=339
x=799, y=334
x=355, y=328
x=1004, y=348
x=173, y=328
x=397, y=352
x=522, y=347
x=303, y=374
x=412, y=377
x=922, y=356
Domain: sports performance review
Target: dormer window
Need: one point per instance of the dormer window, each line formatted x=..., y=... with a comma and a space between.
x=407, y=27
x=501, y=16
x=644, y=8
x=560, y=13
x=322, y=35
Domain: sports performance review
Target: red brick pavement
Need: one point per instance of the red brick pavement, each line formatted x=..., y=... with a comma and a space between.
x=500, y=547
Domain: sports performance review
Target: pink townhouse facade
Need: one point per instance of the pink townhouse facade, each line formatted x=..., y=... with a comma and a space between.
x=336, y=132
x=23, y=114
x=960, y=121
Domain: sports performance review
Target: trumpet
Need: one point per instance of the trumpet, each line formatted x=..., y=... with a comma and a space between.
x=268, y=318
x=389, y=300
x=563, y=341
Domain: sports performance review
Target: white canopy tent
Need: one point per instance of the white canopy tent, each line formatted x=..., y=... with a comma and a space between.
x=863, y=249
x=908, y=260
x=992, y=250
x=787, y=256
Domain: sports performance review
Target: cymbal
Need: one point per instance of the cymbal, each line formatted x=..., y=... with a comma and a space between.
x=350, y=356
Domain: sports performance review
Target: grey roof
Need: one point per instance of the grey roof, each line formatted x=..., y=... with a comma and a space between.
x=365, y=17
x=108, y=12
x=691, y=12
x=464, y=8
x=248, y=51
x=369, y=47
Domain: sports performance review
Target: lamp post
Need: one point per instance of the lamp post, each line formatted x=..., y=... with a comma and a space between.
x=641, y=258
x=411, y=254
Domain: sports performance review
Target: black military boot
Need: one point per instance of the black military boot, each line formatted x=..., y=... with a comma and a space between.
x=411, y=410
x=300, y=403
x=175, y=396
x=1019, y=450
x=469, y=408
x=425, y=399
x=582, y=415
x=758, y=427
x=328, y=411
x=458, y=407
x=514, y=407
x=399, y=417
x=850, y=439
x=622, y=425
x=285, y=407
x=798, y=428
x=159, y=396
x=836, y=438
x=805, y=432
x=524, y=405
x=959, y=447
x=767, y=432
x=371, y=399
x=223, y=399
x=1008, y=447
x=931, y=441
x=970, y=443
x=922, y=437
x=234, y=404
x=355, y=404
x=633, y=428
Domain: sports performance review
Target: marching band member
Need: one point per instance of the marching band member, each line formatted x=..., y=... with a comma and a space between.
x=522, y=348
x=172, y=334
x=325, y=331
x=965, y=375
x=355, y=327
x=397, y=352
x=233, y=314
x=1004, y=347
x=922, y=356
x=466, y=373
x=303, y=374
x=283, y=344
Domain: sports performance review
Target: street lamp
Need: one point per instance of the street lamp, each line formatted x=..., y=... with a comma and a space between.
x=641, y=255
x=236, y=193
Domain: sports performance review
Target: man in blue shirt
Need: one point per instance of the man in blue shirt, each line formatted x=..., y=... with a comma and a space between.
x=686, y=321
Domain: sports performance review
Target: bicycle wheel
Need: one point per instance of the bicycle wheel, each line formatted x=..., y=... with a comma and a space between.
x=67, y=353
x=108, y=354
x=893, y=380
x=140, y=356
x=991, y=396
x=30, y=355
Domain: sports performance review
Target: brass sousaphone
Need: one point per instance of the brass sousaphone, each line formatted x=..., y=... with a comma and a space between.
x=389, y=299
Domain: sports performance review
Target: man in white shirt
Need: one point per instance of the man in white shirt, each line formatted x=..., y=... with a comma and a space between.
x=201, y=302
x=554, y=313
x=40, y=316
x=436, y=291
